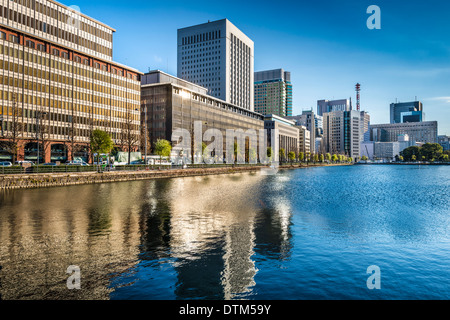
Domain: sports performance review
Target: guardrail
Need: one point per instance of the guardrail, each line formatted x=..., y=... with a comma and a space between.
x=46, y=169
x=100, y=168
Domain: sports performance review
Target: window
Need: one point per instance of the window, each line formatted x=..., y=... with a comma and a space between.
x=30, y=44
x=65, y=55
x=2, y=35
x=86, y=61
x=40, y=47
x=13, y=38
x=55, y=52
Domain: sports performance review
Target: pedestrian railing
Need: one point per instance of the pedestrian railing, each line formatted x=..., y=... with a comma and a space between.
x=121, y=168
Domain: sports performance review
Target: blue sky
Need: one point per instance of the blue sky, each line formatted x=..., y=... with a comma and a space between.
x=326, y=45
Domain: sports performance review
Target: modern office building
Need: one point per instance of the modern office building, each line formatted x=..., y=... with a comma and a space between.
x=310, y=120
x=304, y=141
x=424, y=132
x=444, y=141
x=341, y=133
x=218, y=56
x=365, y=126
x=172, y=103
x=288, y=133
x=388, y=151
x=59, y=82
x=406, y=112
x=324, y=106
x=273, y=92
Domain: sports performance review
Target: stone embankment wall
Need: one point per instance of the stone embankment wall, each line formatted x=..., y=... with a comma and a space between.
x=43, y=180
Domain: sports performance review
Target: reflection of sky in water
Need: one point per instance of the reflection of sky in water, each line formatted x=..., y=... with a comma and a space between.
x=308, y=233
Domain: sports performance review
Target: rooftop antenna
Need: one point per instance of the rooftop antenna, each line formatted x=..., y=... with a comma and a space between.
x=358, y=97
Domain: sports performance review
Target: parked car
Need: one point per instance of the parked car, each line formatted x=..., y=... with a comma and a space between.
x=19, y=163
x=76, y=163
x=49, y=164
x=5, y=164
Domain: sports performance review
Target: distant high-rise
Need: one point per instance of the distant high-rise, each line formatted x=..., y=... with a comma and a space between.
x=324, y=106
x=218, y=56
x=444, y=141
x=310, y=121
x=273, y=92
x=365, y=126
x=407, y=112
x=425, y=132
x=341, y=132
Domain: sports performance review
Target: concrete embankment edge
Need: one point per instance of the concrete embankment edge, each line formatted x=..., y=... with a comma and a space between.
x=46, y=180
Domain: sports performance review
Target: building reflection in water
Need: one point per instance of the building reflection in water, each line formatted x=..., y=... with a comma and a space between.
x=211, y=230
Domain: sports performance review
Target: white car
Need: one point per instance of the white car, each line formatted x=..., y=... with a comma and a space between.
x=5, y=164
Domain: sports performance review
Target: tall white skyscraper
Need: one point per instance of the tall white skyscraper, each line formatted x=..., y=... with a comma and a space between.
x=219, y=57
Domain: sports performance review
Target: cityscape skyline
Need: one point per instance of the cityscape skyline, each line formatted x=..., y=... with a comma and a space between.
x=401, y=62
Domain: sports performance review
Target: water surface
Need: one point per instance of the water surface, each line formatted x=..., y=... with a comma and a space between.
x=300, y=234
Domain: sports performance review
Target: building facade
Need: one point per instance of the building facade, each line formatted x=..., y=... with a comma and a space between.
x=172, y=103
x=341, y=133
x=425, y=132
x=444, y=141
x=365, y=126
x=273, y=92
x=304, y=141
x=220, y=57
x=406, y=112
x=324, y=106
x=58, y=82
x=311, y=121
x=288, y=134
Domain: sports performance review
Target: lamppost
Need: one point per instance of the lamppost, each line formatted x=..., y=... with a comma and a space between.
x=39, y=115
x=145, y=132
x=1, y=124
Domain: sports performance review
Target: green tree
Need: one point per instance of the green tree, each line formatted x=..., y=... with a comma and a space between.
x=316, y=158
x=445, y=157
x=328, y=157
x=162, y=148
x=409, y=152
x=413, y=158
x=301, y=156
x=282, y=154
x=334, y=158
x=321, y=157
x=364, y=158
x=350, y=159
x=269, y=153
x=101, y=142
x=291, y=156
x=431, y=151
x=252, y=155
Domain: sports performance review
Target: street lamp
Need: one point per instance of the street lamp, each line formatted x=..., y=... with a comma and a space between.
x=145, y=131
x=1, y=124
x=38, y=130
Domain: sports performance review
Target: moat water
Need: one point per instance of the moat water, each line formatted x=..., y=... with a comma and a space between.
x=299, y=234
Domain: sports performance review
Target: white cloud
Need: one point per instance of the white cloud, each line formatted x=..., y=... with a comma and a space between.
x=442, y=99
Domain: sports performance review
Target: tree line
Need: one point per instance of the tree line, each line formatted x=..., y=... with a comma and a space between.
x=430, y=152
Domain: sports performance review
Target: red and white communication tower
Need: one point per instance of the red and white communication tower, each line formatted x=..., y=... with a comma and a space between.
x=358, y=97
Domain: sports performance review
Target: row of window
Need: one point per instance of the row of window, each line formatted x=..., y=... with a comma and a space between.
x=63, y=17
x=205, y=36
x=43, y=59
x=53, y=31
